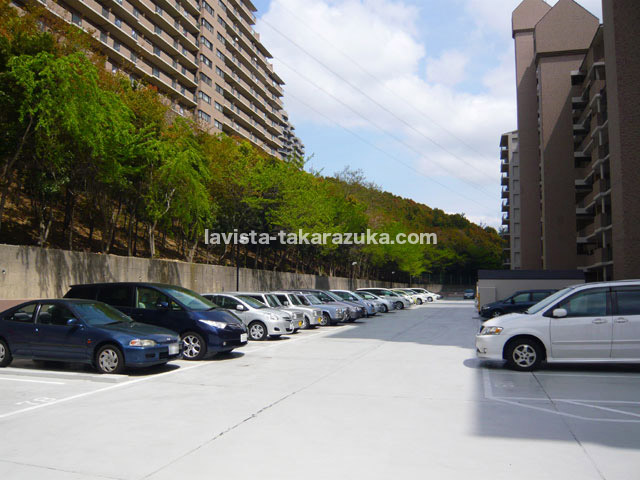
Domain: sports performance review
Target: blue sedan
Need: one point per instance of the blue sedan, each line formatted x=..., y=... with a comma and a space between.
x=84, y=331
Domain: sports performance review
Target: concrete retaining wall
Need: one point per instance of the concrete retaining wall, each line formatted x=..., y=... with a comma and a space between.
x=32, y=272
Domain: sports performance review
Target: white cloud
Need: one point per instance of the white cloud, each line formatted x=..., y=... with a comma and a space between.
x=448, y=69
x=383, y=37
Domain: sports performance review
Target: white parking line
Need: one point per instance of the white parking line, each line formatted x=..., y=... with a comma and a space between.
x=516, y=401
x=159, y=375
x=31, y=381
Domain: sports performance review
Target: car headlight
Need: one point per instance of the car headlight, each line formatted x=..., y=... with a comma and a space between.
x=141, y=342
x=491, y=331
x=213, y=323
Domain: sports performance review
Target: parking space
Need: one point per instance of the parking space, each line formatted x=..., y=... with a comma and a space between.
x=397, y=395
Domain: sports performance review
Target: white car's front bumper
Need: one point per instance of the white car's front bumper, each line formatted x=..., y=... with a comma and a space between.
x=490, y=346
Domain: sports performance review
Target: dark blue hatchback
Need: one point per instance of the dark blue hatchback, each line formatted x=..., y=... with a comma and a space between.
x=203, y=327
x=83, y=331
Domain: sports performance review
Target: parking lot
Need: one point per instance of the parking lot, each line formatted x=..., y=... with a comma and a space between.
x=399, y=395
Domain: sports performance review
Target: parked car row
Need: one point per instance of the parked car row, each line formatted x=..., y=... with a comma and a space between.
x=135, y=324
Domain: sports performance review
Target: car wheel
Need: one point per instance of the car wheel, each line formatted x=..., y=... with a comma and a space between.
x=109, y=359
x=496, y=313
x=429, y=299
x=326, y=320
x=306, y=323
x=420, y=302
x=399, y=305
x=257, y=331
x=385, y=309
x=193, y=346
x=5, y=354
x=524, y=354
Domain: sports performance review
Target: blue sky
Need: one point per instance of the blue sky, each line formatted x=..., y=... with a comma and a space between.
x=414, y=93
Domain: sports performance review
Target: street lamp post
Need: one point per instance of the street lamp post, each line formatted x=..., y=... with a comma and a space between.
x=353, y=280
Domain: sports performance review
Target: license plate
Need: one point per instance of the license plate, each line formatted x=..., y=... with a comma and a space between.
x=243, y=337
x=174, y=349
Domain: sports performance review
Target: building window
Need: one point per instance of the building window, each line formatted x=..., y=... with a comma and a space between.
x=221, y=21
x=136, y=13
x=208, y=8
x=119, y=1
x=219, y=72
x=222, y=5
x=156, y=72
x=184, y=70
x=207, y=43
x=134, y=34
x=206, y=25
x=174, y=64
x=219, y=89
x=221, y=38
x=118, y=22
x=157, y=29
x=75, y=18
x=204, y=97
x=174, y=84
x=103, y=37
x=157, y=51
x=204, y=59
x=217, y=124
x=159, y=10
x=204, y=116
x=105, y=12
x=116, y=45
x=204, y=78
x=218, y=106
x=134, y=57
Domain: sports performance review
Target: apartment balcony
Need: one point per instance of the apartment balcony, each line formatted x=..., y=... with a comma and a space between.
x=88, y=9
x=176, y=11
x=150, y=15
x=146, y=31
x=584, y=186
x=505, y=219
x=504, y=153
x=586, y=213
x=505, y=193
x=504, y=180
x=577, y=77
x=506, y=206
x=504, y=167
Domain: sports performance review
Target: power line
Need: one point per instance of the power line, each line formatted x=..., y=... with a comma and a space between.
x=380, y=82
x=399, y=140
x=393, y=157
x=372, y=99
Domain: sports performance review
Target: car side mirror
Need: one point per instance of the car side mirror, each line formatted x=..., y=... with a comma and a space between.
x=240, y=308
x=162, y=305
x=74, y=322
x=559, y=313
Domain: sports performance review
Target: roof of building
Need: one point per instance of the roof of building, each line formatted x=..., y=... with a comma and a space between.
x=530, y=275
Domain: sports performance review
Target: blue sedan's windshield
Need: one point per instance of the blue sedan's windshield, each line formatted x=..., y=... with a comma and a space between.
x=99, y=314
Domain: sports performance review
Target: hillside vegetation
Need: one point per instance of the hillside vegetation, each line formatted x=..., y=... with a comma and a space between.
x=94, y=161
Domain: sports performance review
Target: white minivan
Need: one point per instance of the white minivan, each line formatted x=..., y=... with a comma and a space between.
x=586, y=323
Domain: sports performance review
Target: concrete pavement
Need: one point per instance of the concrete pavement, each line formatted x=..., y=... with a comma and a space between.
x=400, y=395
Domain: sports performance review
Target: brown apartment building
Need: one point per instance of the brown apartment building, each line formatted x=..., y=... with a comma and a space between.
x=573, y=213
x=204, y=56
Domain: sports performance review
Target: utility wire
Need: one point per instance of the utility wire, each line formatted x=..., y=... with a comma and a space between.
x=399, y=140
x=372, y=145
x=380, y=82
x=390, y=112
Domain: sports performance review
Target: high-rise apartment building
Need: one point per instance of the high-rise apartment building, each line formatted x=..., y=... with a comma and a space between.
x=511, y=206
x=204, y=56
x=579, y=134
